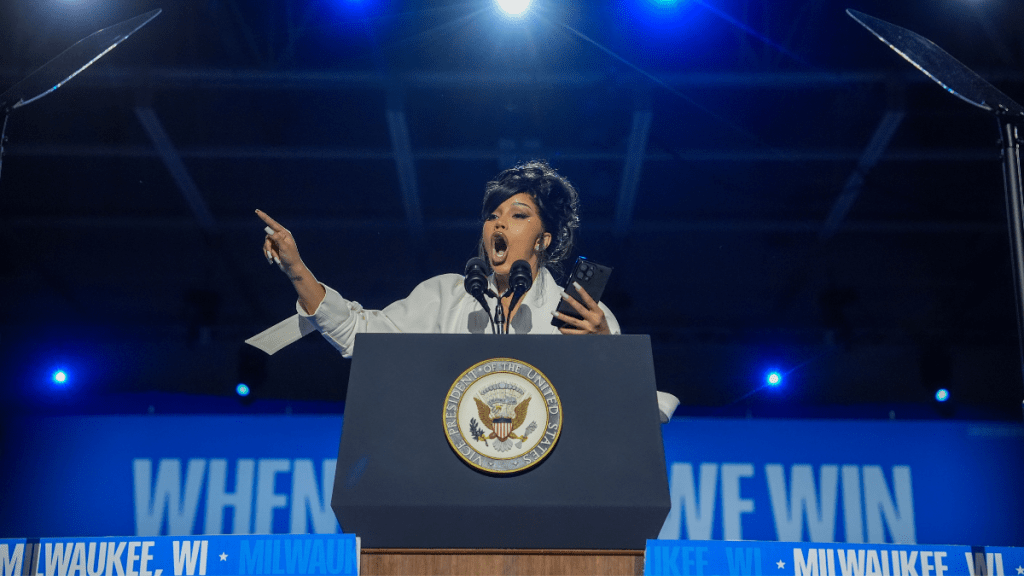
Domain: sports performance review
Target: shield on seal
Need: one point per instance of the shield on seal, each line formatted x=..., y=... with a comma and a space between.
x=502, y=428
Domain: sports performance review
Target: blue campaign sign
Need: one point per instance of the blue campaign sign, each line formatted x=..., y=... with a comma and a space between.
x=169, y=475
x=716, y=558
x=767, y=480
x=845, y=481
x=336, y=555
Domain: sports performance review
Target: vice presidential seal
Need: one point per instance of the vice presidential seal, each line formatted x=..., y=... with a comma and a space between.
x=502, y=416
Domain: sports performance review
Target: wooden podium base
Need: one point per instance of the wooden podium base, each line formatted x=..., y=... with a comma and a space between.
x=401, y=561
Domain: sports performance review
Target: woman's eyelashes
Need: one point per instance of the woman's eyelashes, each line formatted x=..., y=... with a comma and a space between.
x=517, y=215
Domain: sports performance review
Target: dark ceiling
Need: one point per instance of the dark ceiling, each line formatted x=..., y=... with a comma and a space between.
x=773, y=185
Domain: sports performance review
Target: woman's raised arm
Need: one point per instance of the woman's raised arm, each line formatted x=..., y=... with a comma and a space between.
x=279, y=247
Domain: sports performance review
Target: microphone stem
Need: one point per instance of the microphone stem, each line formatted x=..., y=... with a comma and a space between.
x=481, y=297
x=517, y=294
x=497, y=301
x=499, y=317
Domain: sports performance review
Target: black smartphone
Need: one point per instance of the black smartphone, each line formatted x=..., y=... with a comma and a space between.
x=593, y=277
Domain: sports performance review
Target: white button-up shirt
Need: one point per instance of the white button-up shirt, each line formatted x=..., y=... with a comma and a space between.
x=441, y=305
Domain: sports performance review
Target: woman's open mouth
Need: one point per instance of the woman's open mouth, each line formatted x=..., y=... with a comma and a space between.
x=499, y=248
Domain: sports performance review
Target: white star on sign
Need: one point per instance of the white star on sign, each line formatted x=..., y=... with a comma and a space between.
x=780, y=564
x=223, y=556
x=1020, y=569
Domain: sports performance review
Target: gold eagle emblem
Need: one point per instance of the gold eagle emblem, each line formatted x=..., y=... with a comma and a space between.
x=489, y=414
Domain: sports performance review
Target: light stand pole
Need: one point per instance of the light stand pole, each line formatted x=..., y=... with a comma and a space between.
x=1008, y=130
x=964, y=83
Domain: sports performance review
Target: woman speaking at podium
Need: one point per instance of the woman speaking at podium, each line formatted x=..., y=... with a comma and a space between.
x=530, y=213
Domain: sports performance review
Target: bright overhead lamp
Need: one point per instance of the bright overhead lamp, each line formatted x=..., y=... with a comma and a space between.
x=514, y=7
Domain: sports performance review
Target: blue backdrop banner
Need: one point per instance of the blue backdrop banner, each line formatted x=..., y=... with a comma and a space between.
x=907, y=482
x=770, y=480
x=169, y=475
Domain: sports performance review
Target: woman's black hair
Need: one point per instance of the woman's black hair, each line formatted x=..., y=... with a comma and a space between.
x=556, y=199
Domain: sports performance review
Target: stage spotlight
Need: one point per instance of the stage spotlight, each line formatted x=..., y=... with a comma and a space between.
x=59, y=377
x=514, y=7
x=773, y=378
x=942, y=394
x=252, y=374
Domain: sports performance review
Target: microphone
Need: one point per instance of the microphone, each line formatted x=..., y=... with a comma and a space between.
x=476, y=282
x=520, y=278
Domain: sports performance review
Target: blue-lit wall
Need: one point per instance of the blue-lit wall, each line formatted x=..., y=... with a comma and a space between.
x=810, y=480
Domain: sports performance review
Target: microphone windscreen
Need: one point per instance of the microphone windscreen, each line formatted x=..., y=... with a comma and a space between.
x=476, y=277
x=476, y=263
x=520, y=276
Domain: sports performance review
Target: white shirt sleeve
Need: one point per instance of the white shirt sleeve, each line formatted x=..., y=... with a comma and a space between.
x=339, y=320
x=613, y=323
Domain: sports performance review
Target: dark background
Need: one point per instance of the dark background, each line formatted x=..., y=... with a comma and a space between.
x=788, y=193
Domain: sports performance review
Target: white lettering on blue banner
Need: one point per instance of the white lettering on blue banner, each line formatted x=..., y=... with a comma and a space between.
x=804, y=505
x=312, y=555
x=687, y=558
x=241, y=496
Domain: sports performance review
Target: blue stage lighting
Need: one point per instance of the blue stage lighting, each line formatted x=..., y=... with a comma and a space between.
x=773, y=378
x=59, y=377
x=942, y=394
x=664, y=5
x=514, y=7
x=242, y=390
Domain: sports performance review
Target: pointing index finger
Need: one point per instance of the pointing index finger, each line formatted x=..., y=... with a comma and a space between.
x=270, y=221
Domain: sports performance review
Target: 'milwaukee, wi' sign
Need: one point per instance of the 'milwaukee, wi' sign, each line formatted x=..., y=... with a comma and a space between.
x=336, y=555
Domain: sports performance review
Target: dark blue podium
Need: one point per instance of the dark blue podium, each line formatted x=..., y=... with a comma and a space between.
x=400, y=484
